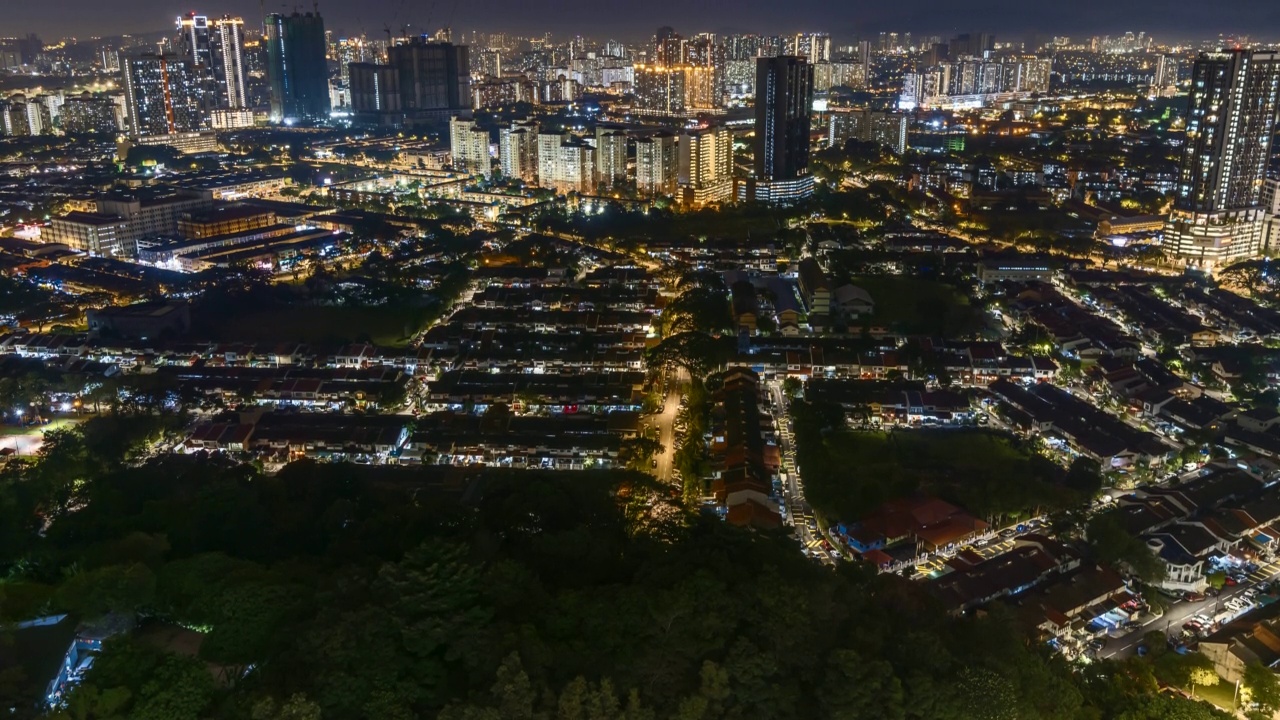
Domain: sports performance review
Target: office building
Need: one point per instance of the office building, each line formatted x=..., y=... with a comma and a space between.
x=518, y=150
x=784, y=99
x=118, y=222
x=92, y=233
x=1218, y=213
x=611, y=155
x=706, y=166
x=657, y=164
x=297, y=69
x=163, y=95
x=231, y=118
x=468, y=147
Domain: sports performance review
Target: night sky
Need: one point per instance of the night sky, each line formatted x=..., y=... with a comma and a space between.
x=634, y=19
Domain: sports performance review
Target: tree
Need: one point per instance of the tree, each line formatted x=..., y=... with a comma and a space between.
x=1203, y=675
x=694, y=352
x=1114, y=545
x=700, y=308
x=637, y=452
x=297, y=707
x=1262, y=687
x=1084, y=477
x=857, y=687
x=791, y=386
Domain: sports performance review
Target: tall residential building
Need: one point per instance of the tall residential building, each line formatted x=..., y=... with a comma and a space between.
x=435, y=77
x=227, y=50
x=970, y=83
x=660, y=90
x=216, y=49
x=668, y=47
x=884, y=128
x=469, y=147
x=1217, y=215
x=611, y=155
x=375, y=94
x=816, y=47
x=706, y=165
x=784, y=100
x=349, y=51
x=89, y=113
x=864, y=59
x=297, y=68
x=566, y=164
x=1271, y=213
x=193, y=40
x=657, y=164
x=518, y=150
x=162, y=94
x=705, y=56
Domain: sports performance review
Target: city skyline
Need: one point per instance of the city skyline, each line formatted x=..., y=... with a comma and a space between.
x=1010, y=20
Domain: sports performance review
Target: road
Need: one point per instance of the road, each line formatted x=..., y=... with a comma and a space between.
x=799, y=514
x=665, y=422
x=1173, y=618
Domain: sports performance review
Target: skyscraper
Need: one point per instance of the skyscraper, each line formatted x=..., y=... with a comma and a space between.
x=668, y=47
x=375, y=94
x=1231, y=118
x=784, y=99
x=660, y=90
x=296, y=67
x=163, y=95
x=226, y=48
x=434, y=79
x=193, y=38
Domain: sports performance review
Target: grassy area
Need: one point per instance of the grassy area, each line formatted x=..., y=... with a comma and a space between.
x=847, y=474
x=917, y=306
x=9, y=430
x=1221, y=695
x=319, y=324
